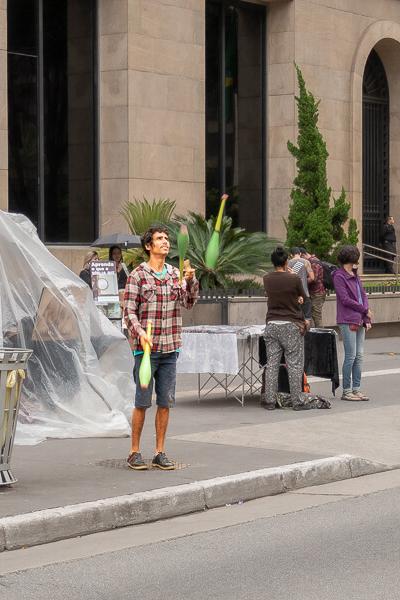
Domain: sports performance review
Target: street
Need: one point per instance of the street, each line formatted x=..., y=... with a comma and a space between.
x=339, y=541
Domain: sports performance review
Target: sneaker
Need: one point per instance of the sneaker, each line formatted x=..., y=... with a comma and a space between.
x=135, y=461
x=360, y=395
x=160, y=461
x=351, y=397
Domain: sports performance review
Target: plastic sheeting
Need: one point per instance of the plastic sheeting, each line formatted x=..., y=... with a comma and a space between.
x=79, y=381
x=214, y=348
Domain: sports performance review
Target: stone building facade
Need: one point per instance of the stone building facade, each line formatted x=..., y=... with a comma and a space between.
x=191, y=97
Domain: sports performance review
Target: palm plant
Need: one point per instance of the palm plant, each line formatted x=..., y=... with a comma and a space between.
x=241, y=252
x=142, y=214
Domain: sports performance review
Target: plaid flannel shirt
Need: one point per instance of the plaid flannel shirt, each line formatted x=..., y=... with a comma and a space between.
x=147, y=297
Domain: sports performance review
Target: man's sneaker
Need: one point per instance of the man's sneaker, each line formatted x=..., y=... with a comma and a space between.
x=135, y=461
x=351, y=397
x=360, y=395
x=160, y=461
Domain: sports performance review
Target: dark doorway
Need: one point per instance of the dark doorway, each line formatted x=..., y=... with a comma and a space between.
x=375, y=156
x=235, y=110
x=52, y=116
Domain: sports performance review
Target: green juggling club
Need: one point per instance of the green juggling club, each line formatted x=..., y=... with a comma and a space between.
x=212, y=251
x=183, y=241
x=145, y=365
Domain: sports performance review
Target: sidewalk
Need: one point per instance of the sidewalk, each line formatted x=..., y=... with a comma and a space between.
x=214, y=438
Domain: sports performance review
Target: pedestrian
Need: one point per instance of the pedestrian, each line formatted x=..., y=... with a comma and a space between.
x=285, y=329
x=353, y=318
x=316, y=287
x=388, y=238
x=115, y=254
x=85, y=274
x=153, y=293
x=302, y=268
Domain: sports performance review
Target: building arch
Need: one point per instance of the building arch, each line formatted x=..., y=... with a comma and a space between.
x=384, y=38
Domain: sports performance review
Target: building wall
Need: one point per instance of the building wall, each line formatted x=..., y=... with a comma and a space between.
x=3, y=108
x=166, y=74
x=324, y=37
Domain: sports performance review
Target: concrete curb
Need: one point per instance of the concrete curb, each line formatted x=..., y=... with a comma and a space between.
x=45, y=526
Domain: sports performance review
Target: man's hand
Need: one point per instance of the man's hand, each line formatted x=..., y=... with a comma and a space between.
x=144, y=339
x=189, y=273
x=368, y=326
x=300, y=300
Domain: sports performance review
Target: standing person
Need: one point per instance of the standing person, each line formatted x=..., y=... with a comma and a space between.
x=388, y=238
x=115, y=254
x=353, y=318
x=302, y=268
x=316, y=287
x=153, y=293
x=285, y=328
x=85, y=273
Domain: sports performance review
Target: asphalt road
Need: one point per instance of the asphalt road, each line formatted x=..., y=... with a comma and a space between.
x=330, y=545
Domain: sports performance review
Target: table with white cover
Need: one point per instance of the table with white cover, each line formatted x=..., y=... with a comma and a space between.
x=224, y=357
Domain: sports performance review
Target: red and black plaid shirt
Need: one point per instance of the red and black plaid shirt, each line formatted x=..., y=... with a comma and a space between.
x=149, y=298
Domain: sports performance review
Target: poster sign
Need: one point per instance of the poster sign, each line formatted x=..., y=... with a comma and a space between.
x=104, y=282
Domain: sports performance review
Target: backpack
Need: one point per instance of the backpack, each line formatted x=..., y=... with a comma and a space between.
x=329, y=269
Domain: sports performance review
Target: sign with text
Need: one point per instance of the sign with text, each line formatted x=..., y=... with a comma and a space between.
x=104, y=281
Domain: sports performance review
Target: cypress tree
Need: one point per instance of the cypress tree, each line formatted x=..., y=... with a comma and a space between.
x=313, y=219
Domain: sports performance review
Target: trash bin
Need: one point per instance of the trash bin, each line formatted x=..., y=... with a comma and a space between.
x=13, y=363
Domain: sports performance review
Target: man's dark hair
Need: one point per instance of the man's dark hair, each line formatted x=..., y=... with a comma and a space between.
x=147, y=237
x=348, y=255
x=295, y=250
x=303, y=250
x=279, y=257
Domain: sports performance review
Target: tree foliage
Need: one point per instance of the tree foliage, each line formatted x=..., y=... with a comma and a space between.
x=315, y=218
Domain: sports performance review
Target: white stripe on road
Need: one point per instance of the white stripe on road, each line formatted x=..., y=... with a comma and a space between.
x=364, y=374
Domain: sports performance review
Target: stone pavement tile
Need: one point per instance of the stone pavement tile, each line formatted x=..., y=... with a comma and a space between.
x=371, y=434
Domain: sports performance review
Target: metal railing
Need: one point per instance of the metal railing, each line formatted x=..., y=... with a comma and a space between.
x=377, y=254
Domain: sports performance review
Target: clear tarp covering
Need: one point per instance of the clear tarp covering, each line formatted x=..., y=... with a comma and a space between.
x=79, y=381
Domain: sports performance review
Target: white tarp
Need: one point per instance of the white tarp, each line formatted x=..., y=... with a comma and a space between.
x=79, y=381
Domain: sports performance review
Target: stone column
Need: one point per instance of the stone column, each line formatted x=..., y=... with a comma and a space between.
x=166, y=73
x=281, y=120
x=114, y=142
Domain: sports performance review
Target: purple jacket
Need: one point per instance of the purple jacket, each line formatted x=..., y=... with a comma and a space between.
x=348, y=308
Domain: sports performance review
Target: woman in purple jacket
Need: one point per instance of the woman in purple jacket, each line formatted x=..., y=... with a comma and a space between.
x=353, y=318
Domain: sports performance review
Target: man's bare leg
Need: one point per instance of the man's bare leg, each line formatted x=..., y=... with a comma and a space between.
x=162, y=418
x=138, y=417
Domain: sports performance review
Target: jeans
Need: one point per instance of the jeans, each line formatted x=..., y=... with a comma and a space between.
x=163, y=371
x=284, y=338
x=353, y=342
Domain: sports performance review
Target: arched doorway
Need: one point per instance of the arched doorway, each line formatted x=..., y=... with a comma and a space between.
x=375, y=141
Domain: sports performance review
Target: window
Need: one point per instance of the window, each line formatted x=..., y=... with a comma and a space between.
x=52, y=116
x=235, y=111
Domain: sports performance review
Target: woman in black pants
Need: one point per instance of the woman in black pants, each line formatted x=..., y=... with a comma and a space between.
x=285, y=329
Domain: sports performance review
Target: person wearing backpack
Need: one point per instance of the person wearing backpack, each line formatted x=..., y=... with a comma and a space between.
x=316, y=287
x=354, y=319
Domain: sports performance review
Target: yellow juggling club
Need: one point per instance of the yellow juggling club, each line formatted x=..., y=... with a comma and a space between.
x=145, y=365
x=212, y=251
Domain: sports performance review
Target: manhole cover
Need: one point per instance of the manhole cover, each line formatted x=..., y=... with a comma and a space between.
x=120, y=463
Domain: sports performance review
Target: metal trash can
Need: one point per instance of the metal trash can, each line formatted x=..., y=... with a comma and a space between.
x=13, y=363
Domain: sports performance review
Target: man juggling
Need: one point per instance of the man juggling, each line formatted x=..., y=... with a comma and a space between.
x=152, y=303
